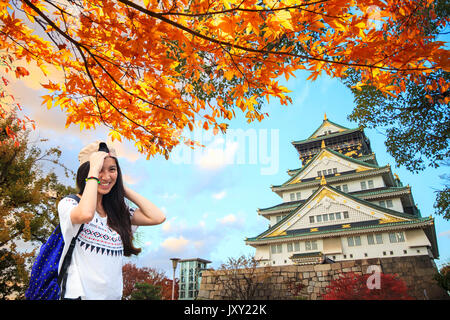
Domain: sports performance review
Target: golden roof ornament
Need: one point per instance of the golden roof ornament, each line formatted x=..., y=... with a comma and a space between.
x=323, y=182
x=323, y=144
x=325, y=116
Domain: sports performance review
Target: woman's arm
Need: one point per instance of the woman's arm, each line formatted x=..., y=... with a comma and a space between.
x=84, y=212
x=147, y=213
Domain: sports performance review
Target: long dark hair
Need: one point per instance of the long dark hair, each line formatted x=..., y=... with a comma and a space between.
x=118, y=214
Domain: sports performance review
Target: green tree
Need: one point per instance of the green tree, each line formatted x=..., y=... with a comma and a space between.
x=146, y=291
x=415, y=121
x=443, y=277
x=28, y=198
x=442, y=204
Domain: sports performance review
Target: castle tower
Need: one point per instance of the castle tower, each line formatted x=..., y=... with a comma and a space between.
x=342, y=205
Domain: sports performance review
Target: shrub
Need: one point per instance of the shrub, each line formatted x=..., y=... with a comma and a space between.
x=352, y=286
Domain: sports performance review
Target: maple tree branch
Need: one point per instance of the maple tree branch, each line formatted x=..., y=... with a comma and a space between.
x=80, y=46
x=100, y=112
x=86, y=65
x=238, y=8
x=107, y=100
x=161, y=17
x=237, y=66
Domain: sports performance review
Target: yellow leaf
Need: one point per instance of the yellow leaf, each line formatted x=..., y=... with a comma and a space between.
x=115, y=135
x=227, y=4
x=48, y=100
x=284, y=18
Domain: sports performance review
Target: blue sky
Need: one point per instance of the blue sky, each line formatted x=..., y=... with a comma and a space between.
x=210, y=196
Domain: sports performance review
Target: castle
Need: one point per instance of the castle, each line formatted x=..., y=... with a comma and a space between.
x=342, y=205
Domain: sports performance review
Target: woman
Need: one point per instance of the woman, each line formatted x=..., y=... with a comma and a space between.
x=95, y=271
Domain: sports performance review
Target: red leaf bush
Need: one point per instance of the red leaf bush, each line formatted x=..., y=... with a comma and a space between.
x=352, y=286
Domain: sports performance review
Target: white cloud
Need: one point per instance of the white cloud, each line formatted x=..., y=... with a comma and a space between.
x=229, y=219
x=175, y=244
x=169, y=225
x=129, y=179
x=199, y=244
x=444, y=234
x=220, y=195
x=217, y=155
x=167, y=196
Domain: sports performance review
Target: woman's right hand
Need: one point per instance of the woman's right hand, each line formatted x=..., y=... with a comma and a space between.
x=96, y=160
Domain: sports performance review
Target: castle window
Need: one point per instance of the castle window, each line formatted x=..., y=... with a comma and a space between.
x=319, y=173
x=311, y=219
x=395, y=237
x=345, y=214
x=338, y=187
x=319, y=218
x=389, y=203
x=324, y=172
x=382, y=203
x=350, y=242
x=344, y=188
x=311, y=245
x=298, y=195
x=354, y=241
x=370, y=239
x=363, y=185
x=325, y=217
x=292, y=195
x=338, y=215
x=289, y=247
x=330, y=171
x=331, y=216
x=370, y=184
x=379, y=238
x=275, y=248
x=392, y=238
x=334, y=170
x=297, y=246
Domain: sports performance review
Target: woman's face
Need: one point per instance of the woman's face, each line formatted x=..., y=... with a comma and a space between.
x=107, y=176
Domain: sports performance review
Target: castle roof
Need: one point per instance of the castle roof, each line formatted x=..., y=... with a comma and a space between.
x=380, y=217
x=328, y=153
x=377, y=193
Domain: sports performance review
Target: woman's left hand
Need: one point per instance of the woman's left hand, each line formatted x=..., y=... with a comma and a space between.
x=147, y=213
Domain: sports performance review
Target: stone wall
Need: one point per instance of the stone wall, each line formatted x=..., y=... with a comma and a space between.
x=310, y=281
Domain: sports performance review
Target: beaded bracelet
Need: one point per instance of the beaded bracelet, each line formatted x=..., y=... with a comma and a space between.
x=93, y=178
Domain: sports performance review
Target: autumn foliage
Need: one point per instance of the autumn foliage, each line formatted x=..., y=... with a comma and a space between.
x=9, y=107
x=352, y=286
x=133, y=275
x=150, y=69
